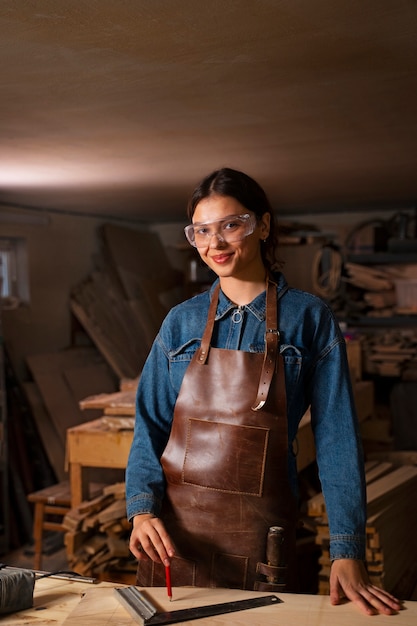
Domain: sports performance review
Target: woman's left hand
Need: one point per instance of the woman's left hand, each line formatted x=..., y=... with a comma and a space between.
x=348, y=578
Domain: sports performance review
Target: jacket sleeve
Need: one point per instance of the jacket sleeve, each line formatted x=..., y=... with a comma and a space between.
x=155, y=401
x=339, y=451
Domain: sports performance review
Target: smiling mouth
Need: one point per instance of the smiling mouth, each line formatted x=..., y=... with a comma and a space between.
x=221, y=258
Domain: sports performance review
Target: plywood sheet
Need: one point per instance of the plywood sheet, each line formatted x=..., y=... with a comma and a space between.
x=64, y=378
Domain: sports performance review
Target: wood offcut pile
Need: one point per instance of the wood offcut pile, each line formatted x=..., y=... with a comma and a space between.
x=117, y=409
x=98, y=532
x=391, y=353
x=374, y=287
x=97, y=537
x=391, y=538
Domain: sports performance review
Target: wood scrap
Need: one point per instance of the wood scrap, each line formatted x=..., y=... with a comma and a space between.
x=390, y=353
x=369, y=278
x=380, y=299
x=118, y=422
x=119, y=403
x=129, y=384
x=98, y=534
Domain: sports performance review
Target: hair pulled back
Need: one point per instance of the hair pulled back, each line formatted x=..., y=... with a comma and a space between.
x=244, y=189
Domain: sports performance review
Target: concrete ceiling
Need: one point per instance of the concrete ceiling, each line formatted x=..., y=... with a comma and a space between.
x=119, y=107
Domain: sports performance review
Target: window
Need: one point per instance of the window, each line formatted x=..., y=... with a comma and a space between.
x=14, y=283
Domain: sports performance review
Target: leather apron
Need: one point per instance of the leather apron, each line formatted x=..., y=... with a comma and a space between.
x=226, y=465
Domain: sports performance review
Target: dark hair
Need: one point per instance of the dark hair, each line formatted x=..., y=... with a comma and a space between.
x=244, y=189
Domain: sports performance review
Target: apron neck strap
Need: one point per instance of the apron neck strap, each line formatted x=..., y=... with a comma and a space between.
x=271, y=340
x=272, y=333
x=205, y=340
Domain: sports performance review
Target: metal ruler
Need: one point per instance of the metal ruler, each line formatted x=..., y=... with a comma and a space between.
x=142, y=609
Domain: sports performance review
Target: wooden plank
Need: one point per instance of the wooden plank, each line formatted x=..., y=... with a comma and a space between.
x=56, y=377
x=117, y=400
x=394, y=485
x=111, y=323
x=396, y=457
x=144, y=269
x=99, y=606
x=52, y=442
x=381, y=469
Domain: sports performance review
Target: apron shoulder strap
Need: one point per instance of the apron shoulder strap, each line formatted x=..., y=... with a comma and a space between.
x=271, y=341
x=203, y=350
x=271, y=347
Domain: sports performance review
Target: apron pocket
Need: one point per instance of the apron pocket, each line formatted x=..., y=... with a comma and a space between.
x=229, y=571
x=225, y=457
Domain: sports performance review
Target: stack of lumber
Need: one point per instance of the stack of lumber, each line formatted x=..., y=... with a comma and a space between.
x=376, y=286
x=97, y=536
x=122, y=303
x=119, y=403
x=391, y=353
x=117, y=409
x=391, y=538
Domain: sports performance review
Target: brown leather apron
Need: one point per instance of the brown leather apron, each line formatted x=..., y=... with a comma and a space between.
x=226, y=465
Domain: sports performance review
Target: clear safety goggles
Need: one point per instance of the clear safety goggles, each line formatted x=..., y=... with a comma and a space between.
x=228, y=229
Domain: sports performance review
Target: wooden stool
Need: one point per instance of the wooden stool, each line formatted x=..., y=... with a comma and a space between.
x=51, y=501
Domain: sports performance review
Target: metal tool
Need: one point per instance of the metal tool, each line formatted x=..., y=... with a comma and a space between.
x=274, y=553
x=61, y=575
x=274, y=571
x=142, y=609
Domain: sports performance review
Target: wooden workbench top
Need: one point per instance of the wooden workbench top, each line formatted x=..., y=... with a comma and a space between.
x=58, y=602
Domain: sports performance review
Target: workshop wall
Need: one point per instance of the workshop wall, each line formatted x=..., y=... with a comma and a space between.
x=61, y=253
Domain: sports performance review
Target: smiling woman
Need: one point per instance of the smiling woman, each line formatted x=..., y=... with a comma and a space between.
x=211, y=470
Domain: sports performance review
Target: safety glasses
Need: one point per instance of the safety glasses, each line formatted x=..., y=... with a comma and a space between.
x=229, y=229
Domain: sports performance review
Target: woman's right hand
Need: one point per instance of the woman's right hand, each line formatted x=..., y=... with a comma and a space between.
x=150, y=540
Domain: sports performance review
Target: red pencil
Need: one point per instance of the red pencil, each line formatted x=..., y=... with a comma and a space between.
x=168, y=581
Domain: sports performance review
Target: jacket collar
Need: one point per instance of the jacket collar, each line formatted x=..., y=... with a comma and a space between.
x=257, y=307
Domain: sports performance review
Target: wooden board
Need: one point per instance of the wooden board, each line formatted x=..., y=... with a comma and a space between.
x=99, y=606
x=123, y=400
x=51, y=440
x=60, y=603
x=64, y=378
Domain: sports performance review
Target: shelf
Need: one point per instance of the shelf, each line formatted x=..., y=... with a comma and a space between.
x=383, y=258
x=396, y=321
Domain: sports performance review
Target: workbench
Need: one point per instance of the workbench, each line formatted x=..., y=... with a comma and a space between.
x=94, y=444
x=58, y=602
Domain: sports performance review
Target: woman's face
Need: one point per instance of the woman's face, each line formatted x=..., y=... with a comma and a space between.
x=239, y=259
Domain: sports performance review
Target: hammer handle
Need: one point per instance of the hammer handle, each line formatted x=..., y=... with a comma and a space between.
x=274, y=549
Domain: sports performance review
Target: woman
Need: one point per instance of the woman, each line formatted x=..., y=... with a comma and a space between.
x=229, y=377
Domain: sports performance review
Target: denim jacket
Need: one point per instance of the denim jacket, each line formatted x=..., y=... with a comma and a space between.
x=316, y=375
